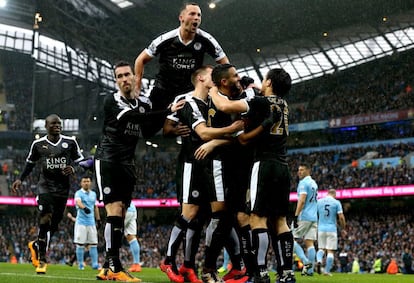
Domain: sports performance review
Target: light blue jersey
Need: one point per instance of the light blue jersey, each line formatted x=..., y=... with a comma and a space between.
x=328, y=210
x=132, y=208
x=88, y=198
x=309, y=187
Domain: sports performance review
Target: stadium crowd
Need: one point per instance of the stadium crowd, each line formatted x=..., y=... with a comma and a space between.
x=380, y=86
x=336, y=169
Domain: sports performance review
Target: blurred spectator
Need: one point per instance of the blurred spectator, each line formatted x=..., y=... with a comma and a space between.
x=407, y=259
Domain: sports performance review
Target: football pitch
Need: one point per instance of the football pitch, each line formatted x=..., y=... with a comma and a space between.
x=22, y=273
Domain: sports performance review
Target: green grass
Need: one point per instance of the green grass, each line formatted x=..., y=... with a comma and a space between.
x=22, y=273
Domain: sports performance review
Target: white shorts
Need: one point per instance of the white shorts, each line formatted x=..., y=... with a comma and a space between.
x=328, y=240
x=130, y=223
x=85, y=235
x=306, y=230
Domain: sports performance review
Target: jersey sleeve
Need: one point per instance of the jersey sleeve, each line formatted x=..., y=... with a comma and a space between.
x=33, y=154
x=340, y=210
x=154, y=48
x=215, y=50
x=76, y=152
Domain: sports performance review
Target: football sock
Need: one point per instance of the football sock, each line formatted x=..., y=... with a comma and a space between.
x=80, y=251
x=217, y=233
x=260, y=248
x=329, y=262
x=93, y=252
x=300, y=253
x=311, y=257
x=176, y=237
x=135, y=250
x=319, y=256
x=113, y=237
x=192, y=242
x=233, y=249
x=246, y=247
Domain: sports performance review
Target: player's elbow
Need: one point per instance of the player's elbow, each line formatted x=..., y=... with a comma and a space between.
x=205, y=136
x=242, y=140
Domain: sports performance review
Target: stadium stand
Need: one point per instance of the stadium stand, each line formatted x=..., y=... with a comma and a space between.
x=366, y=156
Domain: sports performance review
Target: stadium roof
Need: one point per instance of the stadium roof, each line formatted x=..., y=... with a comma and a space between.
x=251, y=32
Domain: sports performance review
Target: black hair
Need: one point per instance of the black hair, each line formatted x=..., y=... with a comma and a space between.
x=245, y=81
x=185, y=4
x=121, y=63
x=281, y=81
x=220, y=71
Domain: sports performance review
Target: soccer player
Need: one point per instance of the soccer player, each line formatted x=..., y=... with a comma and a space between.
x=130, y=226
x=57, y=154
x=195, y=182
x=85, y=233
x=329, y=210
x=124, y=116
x=306, y=218
x=237, y=161
x=181, y=51
x=130, y=232
x=268, y=131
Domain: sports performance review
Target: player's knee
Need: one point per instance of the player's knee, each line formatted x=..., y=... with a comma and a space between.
x=242, y=219
x=225, y=219
x=195, y=224
x=181, y=223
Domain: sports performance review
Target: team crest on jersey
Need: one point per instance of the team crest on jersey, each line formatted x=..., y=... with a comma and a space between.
x=197, y=46
x=40, y=207
x=65, y=145
x=107, y=190
x=141, y=109
x=195, y=194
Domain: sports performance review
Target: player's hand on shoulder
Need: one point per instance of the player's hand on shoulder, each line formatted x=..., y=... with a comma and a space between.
x=182, y=130
x=177, y=105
